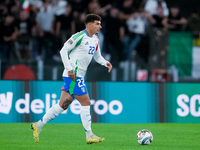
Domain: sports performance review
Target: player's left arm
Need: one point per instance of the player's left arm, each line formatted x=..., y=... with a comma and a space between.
x=99, y=59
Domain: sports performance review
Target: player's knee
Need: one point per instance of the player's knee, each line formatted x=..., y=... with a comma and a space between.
x=86, y=103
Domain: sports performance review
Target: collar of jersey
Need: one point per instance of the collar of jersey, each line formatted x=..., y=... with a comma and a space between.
x=86, y=33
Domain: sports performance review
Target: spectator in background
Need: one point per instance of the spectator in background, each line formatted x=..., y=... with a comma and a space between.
x=25, y=25
x=193, y=23
x=78, y=6
x=34, y=10
x=46, y=35
x=113, y=37
x=95, y=7
x=138, y=4
x=126, y=10
x=8, y=35
x=3, y=12
x=157, y=19
x=156, y=30
x=65, y=24
x=175, y=20
x=26, y=30
x=103, y=3
x=13, y=9
x=136, y=27
x=158, y=39
x=151, y=7
x=59, y=6
x=79, y=22
x=193, y=26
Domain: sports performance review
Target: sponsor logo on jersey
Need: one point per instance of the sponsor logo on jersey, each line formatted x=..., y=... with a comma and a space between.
x=86, y=43
x=70, y=42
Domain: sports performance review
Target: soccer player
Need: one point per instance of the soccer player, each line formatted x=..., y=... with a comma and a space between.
x=76, y=55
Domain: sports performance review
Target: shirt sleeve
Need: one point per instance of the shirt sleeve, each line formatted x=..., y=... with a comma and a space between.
x=69, y=45
x=98, y=57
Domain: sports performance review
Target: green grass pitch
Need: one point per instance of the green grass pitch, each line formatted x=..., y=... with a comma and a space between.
x=166, y=136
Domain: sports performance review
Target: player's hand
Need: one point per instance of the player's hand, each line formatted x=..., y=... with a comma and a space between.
x=71, y=74
x=109, y=66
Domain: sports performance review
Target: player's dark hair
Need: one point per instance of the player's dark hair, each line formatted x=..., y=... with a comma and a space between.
x=91, y=18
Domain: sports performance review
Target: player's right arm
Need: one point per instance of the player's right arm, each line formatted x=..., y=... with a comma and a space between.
x=68, y=47
x=64, y=53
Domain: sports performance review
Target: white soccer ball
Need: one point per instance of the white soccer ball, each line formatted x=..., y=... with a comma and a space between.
x=144, y=137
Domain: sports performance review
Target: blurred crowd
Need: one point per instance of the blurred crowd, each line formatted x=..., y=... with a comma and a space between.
x=37, y=29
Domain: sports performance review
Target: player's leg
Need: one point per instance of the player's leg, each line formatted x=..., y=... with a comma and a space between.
x=54, y=111
x=86, y=119
x=85, y=112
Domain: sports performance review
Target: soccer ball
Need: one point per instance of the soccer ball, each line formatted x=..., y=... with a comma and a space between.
x=144, y=137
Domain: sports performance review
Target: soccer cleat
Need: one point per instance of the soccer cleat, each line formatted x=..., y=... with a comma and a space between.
x=94, y=139
x=36, y=131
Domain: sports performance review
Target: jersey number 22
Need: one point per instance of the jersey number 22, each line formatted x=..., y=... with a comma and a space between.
x=91, y=50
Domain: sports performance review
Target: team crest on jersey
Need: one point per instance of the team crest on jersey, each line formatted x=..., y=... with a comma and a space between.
x=70, y=42
x=83, y=89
